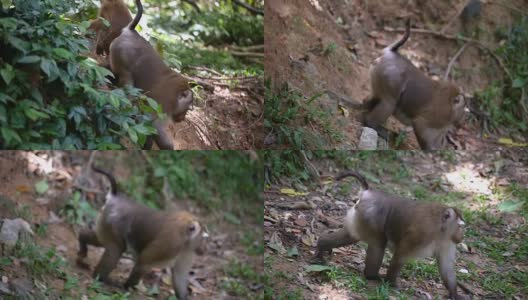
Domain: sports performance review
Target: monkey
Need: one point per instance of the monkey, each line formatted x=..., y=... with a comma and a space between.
x=411, y=229
x=433, y=108
x=117, y=14
x=134, y=61
x=156, y=239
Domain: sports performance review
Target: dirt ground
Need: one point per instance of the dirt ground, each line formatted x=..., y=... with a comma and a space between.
x=297, y=213
x=328, y=45
x=225, y=118
x=20, y=171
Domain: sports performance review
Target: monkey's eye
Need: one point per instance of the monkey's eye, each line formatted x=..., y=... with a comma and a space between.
x=192, y=228
x=459, y=99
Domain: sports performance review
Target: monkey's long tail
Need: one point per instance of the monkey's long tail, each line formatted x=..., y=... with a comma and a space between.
x=355, y=174
x=135, y=21
x=394, y=47
x=113, y=184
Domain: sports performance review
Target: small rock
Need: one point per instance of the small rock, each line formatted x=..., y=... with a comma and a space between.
x=368, y=139
x=463, y=271
x=4, y=288
x=42, y=200
x=11, y=229
x=21, y=286
x=62, y=248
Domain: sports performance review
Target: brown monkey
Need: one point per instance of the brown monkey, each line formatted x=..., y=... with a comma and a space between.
x=156, y=239
x=117, y=14
x=400, y=89
x=134, y=61
x=412, y=229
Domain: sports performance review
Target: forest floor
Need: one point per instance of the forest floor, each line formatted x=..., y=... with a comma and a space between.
x=492, y=261
x=45, y=264
x=329, y=45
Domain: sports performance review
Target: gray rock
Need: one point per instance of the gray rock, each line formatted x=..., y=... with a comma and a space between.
x=21, y=286
x=11, y=229
x=368, y=139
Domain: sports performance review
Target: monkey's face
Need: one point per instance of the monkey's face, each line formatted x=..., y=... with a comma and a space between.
x=197, y=237
x=184, y=101
x=452, y=224
x=458, y=103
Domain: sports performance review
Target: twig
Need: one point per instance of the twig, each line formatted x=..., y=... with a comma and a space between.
x=201, y=82
x=250, y=8
x=248, y=54
x=86, y=189
x=248, y=48
x=203, y=135
x=443, y=30
x=452, y=61
x=206, y=69
x=457, y=38
x=312, y=168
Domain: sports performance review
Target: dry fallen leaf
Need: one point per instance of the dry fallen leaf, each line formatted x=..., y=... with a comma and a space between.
x=292, y=192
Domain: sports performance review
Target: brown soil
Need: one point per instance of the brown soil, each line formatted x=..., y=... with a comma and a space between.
x=328, y=45
x=19, y=199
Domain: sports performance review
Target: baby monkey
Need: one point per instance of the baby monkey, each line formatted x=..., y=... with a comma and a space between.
x=433, y=108
x=412, y=229
x=155, y=238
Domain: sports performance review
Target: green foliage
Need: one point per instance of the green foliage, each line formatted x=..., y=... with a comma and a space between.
x=217, y=28
x=39, y=261
x=49, y=95
x=77, y=211
x=503, y=99
x=231, y=180
x=289, y=114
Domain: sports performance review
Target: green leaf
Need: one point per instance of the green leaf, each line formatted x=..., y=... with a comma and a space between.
x=293, y=252
x=41, y=187
x=7, y=73
x=62, y=53
x=10, y=135
x=133, y=135
x=232, y=218
x=518, y=83
x=18, y=43
x=3, y=114
x=510, y=206
x=317, y=268
x=30, y=59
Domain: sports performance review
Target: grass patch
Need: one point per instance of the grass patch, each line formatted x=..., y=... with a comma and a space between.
x=239, y=279
x=298, y=122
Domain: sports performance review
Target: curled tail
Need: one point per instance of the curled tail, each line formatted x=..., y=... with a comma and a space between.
x=394, y=46
x=113, y=184
x=355, y=174
x=135, y=21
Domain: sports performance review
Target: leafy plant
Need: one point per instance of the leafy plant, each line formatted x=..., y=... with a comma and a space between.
x=288, y=114
x=54, y=97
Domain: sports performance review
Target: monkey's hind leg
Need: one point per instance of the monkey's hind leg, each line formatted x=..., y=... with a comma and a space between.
x=86, y=237
x=327, y=242
x=108, y=262
x=137, y=272
x=380, y=111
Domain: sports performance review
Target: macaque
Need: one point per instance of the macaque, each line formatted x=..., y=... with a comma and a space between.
x=156, y=239
x=411, y=229
x=117, y=14
x=134, y=61
x=433, y=108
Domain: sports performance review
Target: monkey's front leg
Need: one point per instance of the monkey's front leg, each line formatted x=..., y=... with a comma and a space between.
x=445, y=263
x=180, y=274
x=163, y=140
x=86, y=237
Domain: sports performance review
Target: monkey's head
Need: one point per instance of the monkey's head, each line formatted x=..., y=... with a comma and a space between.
x=194, y=233
x=458, y=104
x=182, y=105
x=452, y=224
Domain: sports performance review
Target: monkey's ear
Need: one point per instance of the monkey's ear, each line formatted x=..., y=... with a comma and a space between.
x=449, y=213
x=193, y=229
